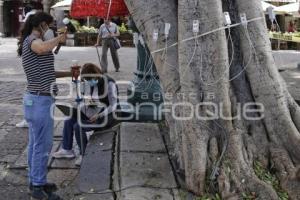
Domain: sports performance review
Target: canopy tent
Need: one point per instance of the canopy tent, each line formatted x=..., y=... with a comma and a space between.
x=291, y=9
x=265, y=6
x=282, y=1
x=62, y=5
x=78, y=5
x=98, y=8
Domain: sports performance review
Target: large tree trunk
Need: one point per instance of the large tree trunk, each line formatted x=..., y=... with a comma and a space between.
x=149, y=16
x=200, y=74
x=237, y=67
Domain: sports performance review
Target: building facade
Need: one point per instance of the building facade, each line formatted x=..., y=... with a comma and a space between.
x=12, y=13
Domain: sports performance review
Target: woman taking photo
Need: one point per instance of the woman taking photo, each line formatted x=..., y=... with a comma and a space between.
x=102, y=94
x=38, y=64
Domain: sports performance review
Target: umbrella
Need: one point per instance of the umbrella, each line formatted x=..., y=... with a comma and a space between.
x=98, y=8
x=62, y=5
x=265, y=6
x=291, y=9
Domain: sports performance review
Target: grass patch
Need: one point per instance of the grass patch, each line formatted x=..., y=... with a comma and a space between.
x=266, y=176
x=183, y=194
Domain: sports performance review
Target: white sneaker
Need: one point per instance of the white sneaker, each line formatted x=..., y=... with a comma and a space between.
x=22, y=124
x=62, y=153
x=78, y=161
x=89, y=134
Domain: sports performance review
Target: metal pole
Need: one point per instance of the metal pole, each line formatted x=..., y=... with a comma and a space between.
x=98, y=56
x=78, y=100
x=146, y=82
x=75, y=78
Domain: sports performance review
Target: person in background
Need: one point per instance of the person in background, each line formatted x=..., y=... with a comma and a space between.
x=291, y=27
x=107, y=32
x=38, y=64
x=99, y=95
x=28, y=10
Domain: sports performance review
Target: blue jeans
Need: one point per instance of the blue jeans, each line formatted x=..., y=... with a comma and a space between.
x=71, y=126
x=37, y=110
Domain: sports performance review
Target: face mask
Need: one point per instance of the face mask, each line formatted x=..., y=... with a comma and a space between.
x=93, y=82
x=48, y=35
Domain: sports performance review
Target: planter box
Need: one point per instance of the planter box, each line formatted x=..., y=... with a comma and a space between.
x=70, y=40
x=126, y=40
x=90, y=39
x=80, y=39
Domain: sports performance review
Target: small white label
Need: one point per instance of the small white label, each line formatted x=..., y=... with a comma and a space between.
x=227, y=20
x=196, y=26
x=167, y=28
x=155, y=35
x=244, y=18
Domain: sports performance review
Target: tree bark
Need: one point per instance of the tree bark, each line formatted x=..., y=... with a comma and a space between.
x=200, y=75
x=149, y=16
x=230, y=68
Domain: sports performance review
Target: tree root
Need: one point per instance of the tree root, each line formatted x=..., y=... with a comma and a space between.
x=234, y=185
x=262, y=190
x=288, y=174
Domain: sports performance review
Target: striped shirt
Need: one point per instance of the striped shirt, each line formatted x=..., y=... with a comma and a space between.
x=39, y=69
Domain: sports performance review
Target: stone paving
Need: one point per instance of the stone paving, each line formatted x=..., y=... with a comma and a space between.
x=129, y=162
x=125, y=170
